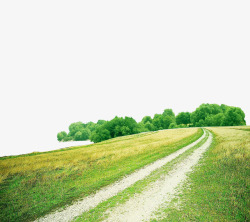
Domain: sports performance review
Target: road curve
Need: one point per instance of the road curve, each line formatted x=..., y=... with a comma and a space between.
x=76, y=209
x=142, y=206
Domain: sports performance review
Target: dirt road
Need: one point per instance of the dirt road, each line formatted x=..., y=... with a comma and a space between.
x=141, y=206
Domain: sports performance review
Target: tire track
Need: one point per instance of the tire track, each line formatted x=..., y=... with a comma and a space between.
x=141, y=206
x=76, y=209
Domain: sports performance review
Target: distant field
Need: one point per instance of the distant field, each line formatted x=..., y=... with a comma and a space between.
x=33, y=185
x=245, y=128
x=218, y=189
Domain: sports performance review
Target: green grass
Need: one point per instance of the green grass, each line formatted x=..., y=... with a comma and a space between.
x=218, y=189
x=99, y=213
x=34, y=185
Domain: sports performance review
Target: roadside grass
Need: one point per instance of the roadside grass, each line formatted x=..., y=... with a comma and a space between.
x=245, y=128
x=102, y=211
x=217, y=189
x=34, y=185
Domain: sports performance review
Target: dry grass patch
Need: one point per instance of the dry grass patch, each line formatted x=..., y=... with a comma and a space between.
x=80, y=158
x=232, y=143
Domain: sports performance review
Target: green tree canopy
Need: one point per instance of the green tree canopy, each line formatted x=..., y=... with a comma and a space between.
x=82, y=135
x=146, y=119
x=169, y=112
x=163, y=121
x=183, y=118
x=100, y=134
x=234, y=116
x=204, y=115
x=75, y=127
x=157, y=121
x=61, y=135
x=91, y=126
x=101, y=122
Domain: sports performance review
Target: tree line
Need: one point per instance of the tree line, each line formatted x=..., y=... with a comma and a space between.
x=204, y=115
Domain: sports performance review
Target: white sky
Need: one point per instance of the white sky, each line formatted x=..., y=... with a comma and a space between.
x=68, y=61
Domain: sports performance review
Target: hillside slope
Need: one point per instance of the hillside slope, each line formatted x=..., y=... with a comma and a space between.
x=217, y=189
x=33, y=185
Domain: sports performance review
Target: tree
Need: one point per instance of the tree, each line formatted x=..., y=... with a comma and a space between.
x=162, y=121
x=131, y=124
x=224, y=108
x=91, y=126
x=118, y=131
x=169, y=112
x=215, y=115
x=111, y=126
x=99, y=135
x=85, y=134
x=68, y=138
x=61, y=135
x=183, y=118
x=203, y=111
x=78, y=136
x=146, y=119
x=142, y=127
x=204, y=115
x=75, y=127
x=215, y=120
x=157, y=121
x=82, y=135
x=172, y=126
x=125, y=130
x=149, y=126
x=234, y=116
x=101, y=122
x=166, y=121
x=200, y=123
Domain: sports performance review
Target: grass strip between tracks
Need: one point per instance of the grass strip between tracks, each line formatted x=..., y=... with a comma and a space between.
x=99, y=212
x=218, y=189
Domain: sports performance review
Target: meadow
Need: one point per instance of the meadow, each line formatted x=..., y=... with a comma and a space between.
x=33, y=185
x=218, y=188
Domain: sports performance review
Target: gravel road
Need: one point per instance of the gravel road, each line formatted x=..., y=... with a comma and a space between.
x=70, y=212
x=141, y=206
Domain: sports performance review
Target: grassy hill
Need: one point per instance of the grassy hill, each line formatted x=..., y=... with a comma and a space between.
x=35, y=184
x=217, y=190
